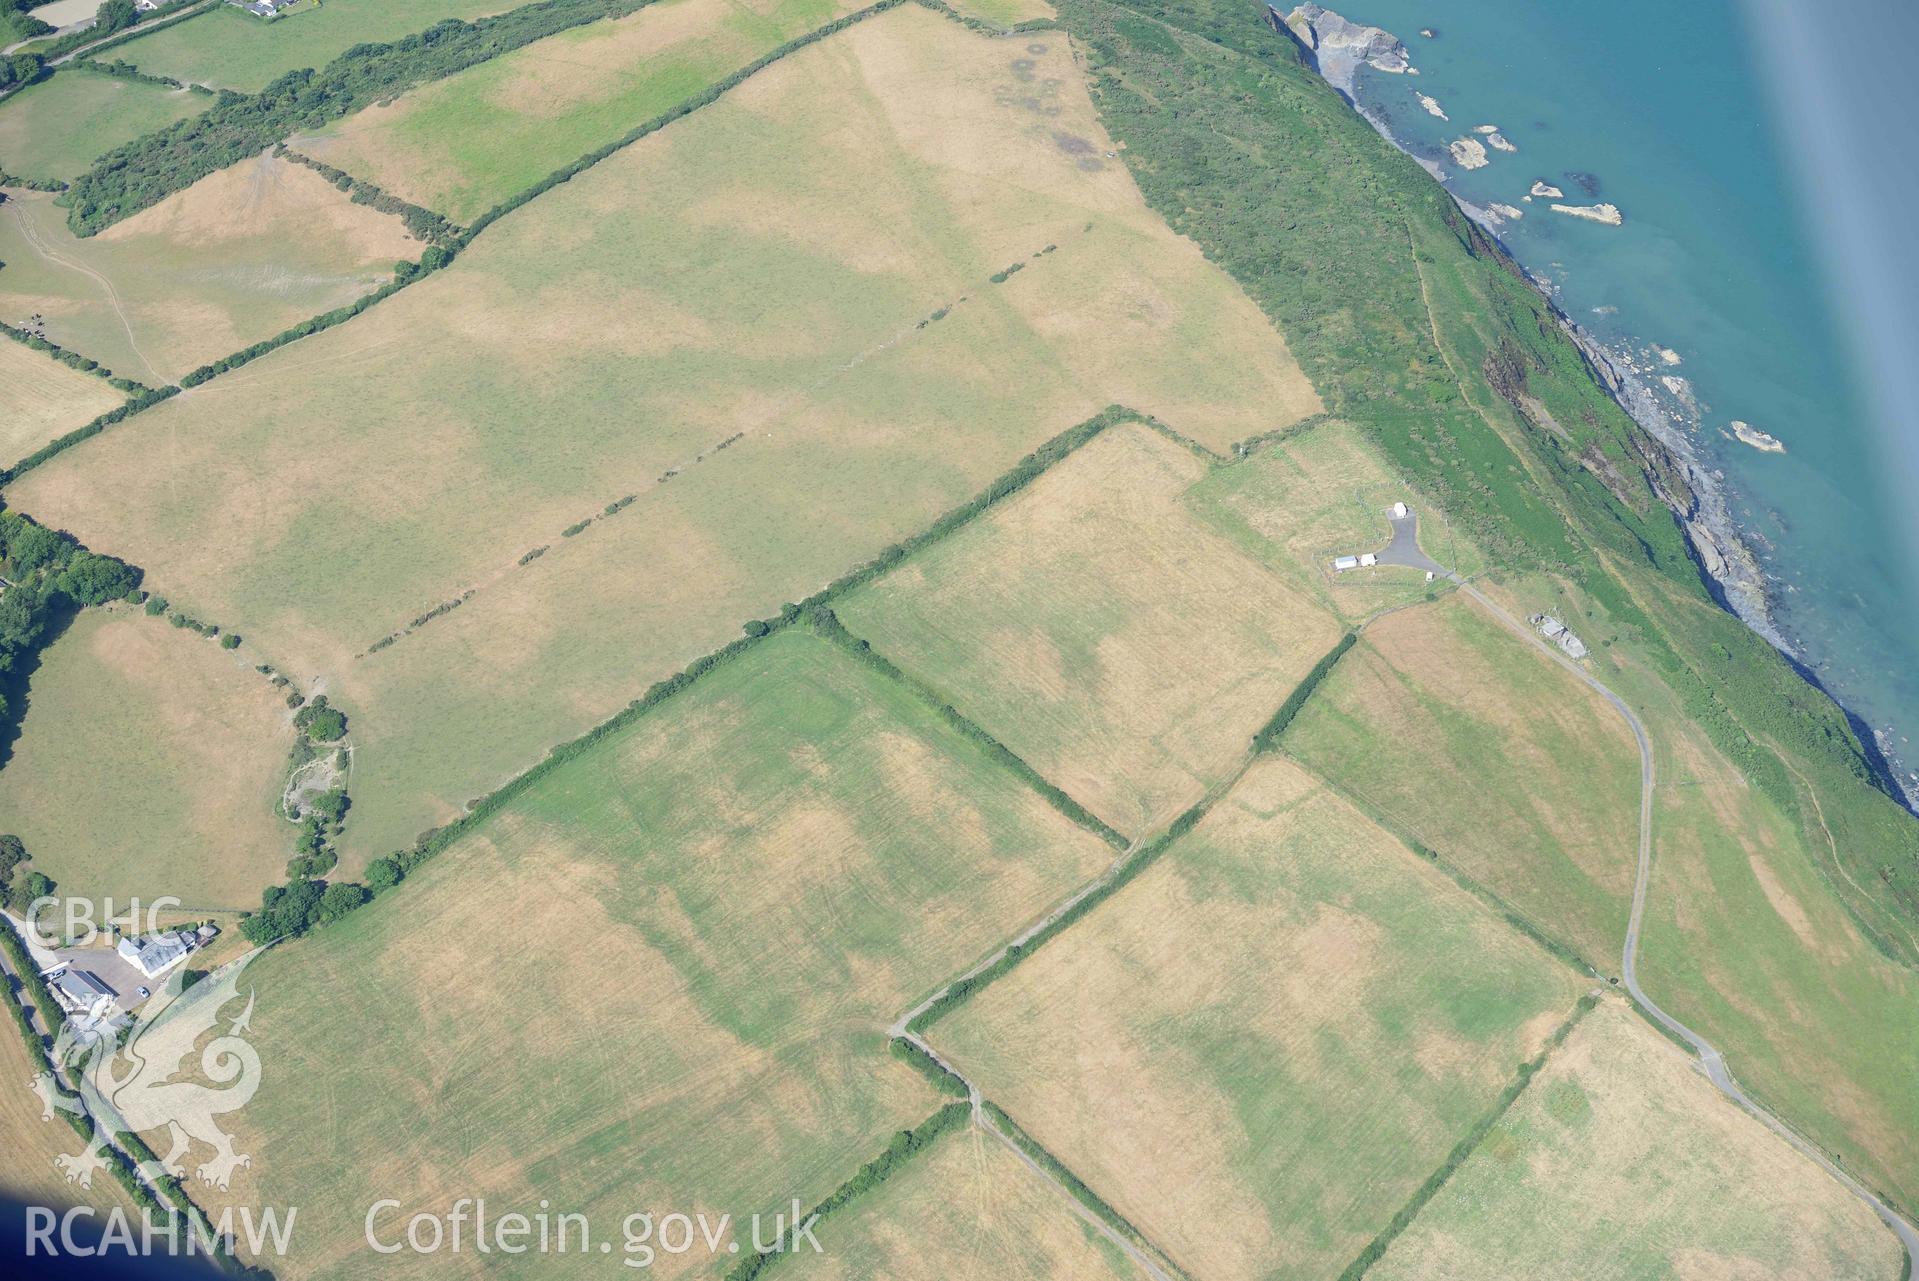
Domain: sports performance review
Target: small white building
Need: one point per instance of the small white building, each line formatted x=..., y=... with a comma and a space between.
x=155, y=954
x=1345, y=562
x=80, y=993
x=1368, y=560
x=1399, y=511
x=1574, y=647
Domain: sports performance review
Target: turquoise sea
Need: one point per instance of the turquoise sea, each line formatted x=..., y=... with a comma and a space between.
x=1669, y=112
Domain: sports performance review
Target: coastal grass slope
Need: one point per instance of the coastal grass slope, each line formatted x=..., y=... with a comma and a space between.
x=1417, y=328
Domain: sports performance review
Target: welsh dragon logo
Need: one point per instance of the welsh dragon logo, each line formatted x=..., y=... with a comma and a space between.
x=130, y=1084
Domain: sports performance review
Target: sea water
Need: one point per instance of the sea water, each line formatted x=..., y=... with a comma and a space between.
x=1663, y=110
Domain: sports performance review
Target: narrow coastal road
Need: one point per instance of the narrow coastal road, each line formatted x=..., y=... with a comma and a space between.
x=1711, y=1061
x=91, y=45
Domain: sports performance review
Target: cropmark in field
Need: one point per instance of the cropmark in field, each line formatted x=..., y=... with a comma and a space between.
x=235, y=258
x=1100, y=631
x=659, y=979
x=967, y=1207
x=1621, y=1160
x=1259, y=1048
x=707, y=375
x=1471, y=741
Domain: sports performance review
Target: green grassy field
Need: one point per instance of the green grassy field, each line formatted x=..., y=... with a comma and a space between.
x=149, y=763
x=1461, y=735
x=236, y=258
x=608, y=339
x=1296, y=503
x=966, y=1207
x=1091, y=624
x=1259, y=1048
x=463, y=144
x=1747, y=936
x=229, y=49
x=40, y=398
x=661, y=976
x=1621, y=1161
x=1006, y=13
x=53, y=130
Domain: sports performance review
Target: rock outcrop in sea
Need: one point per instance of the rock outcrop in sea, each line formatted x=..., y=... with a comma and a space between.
x=1669, y=460
x=1340, y=47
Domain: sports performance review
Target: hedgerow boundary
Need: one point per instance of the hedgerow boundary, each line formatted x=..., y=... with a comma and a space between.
x=1468, y=1144
x=905, y=1145
x=995, y=1116
x=442, y=252
x=1011, y=482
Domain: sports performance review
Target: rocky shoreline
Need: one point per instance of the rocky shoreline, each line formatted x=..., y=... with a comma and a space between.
x=1700, y=503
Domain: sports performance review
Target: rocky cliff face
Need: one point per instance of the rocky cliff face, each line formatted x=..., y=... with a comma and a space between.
x=1665, y=456
x=1339, y=46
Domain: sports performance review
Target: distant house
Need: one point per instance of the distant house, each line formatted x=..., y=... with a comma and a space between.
x=264, y=8
x=1399, y=511
x=146, y=6
x=1369, y=559
x=1560, y=634
x=80, y=993
x=155, y=954
x=1345, y=562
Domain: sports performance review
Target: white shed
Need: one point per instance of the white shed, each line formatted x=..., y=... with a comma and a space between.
x=1399, y=511
x=1346, y=562
x=1369, y=560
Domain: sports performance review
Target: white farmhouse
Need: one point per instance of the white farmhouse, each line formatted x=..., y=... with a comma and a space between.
x=1368, y=559
x=155, y=954
x=1399, y=511
x=1345, y=562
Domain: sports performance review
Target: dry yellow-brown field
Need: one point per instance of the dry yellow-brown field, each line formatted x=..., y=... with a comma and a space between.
x=1102, y=632
x=1620, y=1161
x=1467, y=738
x=661, y=977
x=967, y=1207
x=238, y=257
x=812, y=219
x=40, y=398
x=28, y=1175
x=149, y=763
x=1258, y=1049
